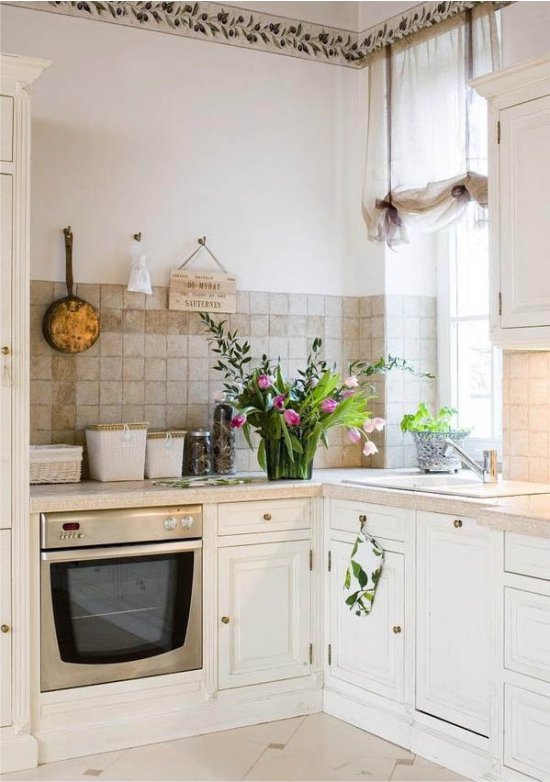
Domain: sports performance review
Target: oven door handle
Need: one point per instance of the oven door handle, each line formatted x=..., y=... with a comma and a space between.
x=112, y=552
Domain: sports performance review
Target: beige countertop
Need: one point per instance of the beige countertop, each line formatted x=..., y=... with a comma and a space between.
x=529, y=515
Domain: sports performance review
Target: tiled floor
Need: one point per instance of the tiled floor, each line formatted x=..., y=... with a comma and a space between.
x=317, y=747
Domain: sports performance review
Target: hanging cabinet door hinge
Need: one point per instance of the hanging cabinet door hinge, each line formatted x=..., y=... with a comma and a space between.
x=329, y=561
x=500, y=302
x=311, y=559
x=311, y=654
x=498, y=132
x=330, y=654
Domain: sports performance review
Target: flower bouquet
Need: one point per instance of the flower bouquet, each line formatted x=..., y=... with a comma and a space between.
x=292, y=416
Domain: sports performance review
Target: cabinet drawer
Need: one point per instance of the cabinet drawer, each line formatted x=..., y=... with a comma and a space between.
x=527, y=555
x=381, y=520
x=239, y=518
x=527, y=633
x=527, y=732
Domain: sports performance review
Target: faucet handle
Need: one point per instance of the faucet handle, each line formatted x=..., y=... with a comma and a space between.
x=490, y=463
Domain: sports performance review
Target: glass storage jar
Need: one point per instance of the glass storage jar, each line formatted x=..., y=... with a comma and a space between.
x=198, y=453
x=223, y=437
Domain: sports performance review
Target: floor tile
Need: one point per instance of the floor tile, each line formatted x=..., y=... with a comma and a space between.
x=214, y=756
x=423, y=770
x=324, y=735
x=279, y=732
x=74, y=769
x=288, y=766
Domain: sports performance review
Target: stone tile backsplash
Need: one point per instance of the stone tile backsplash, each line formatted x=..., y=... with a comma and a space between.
x=526, y=415
x=154, y=364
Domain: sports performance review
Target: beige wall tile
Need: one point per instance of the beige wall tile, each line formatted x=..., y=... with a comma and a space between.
x=112, y=296
x=133, y=368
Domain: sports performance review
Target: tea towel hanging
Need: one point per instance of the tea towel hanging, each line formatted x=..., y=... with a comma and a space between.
x=363, y=573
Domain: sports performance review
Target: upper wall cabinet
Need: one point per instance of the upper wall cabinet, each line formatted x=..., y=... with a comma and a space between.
x=519, y=203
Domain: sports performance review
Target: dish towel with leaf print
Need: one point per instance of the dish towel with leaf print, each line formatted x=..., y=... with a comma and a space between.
x=363, y=574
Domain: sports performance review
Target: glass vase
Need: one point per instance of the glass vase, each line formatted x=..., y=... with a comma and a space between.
x=281, y=467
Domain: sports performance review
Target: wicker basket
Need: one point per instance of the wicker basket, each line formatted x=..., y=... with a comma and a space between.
x=431, y=450
x=116, y=452
x=164, y=454
x=55, y=463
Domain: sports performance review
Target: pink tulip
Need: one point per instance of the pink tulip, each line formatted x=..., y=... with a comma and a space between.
x=279, y=402
x=292, y=418
x=347, y=393
x=368, y=426
x=369, y=448
x=351, y=382
x=238, y=421
x=353, y=434
x=378, y=423
x=264, y=381
x=328, y=405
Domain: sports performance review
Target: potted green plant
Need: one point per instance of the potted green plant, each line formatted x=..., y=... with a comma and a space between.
x=430, y=433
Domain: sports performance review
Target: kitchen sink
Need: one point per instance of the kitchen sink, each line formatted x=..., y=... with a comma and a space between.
x=455, y=485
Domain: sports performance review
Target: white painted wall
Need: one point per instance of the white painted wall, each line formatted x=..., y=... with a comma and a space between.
x=525, y=31
x=140, y=131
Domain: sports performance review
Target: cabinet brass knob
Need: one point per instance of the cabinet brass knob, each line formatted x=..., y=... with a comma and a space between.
x=5, y=350
x=5, y=628
x=267, y=516
x=396, y=629
x=457, y=523
x=225, y=620
x=362, y=518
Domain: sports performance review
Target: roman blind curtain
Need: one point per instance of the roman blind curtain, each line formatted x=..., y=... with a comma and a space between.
x=427, y=135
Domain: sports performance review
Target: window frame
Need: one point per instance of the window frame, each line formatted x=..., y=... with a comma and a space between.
x=447, y=357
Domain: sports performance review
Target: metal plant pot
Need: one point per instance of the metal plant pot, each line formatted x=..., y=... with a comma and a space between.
x=431, y=450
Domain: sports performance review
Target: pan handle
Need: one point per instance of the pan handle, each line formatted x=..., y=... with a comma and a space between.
x=69, y=259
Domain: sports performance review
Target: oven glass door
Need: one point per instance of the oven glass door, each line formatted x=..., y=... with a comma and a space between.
x=121, y=609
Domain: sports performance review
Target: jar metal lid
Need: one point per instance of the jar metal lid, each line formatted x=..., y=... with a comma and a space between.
x=199, y=433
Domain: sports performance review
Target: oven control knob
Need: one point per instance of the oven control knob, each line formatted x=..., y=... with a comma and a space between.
x=187, y=522
x=170, y=523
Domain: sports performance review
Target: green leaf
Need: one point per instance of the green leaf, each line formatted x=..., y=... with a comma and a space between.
x=261, y=455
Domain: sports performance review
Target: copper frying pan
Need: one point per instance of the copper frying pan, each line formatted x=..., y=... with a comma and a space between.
x=70, y=325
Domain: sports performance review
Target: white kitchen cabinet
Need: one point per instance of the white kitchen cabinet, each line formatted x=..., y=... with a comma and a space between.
x=5, y=622
x=519, y=203
x=18, y=748
x=527, y=731
x=368, y=651
x=264, y=612
x=453, y=633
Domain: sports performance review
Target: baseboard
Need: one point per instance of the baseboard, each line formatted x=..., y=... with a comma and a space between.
x=461, y=755
x=213, y=716
x=19, y=751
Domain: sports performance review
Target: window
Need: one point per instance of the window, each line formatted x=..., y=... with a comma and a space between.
x=469, y=367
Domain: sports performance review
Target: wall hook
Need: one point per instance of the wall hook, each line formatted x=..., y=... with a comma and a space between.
x=137, y=237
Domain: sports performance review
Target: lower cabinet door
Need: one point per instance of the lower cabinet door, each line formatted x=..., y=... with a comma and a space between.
x=527, y=731
x=368, y=651
x=453, y=633
x=5, y=621
x=264, y=616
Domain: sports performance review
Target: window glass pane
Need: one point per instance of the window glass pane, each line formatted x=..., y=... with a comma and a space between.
x=472, y=267
x=474, y=377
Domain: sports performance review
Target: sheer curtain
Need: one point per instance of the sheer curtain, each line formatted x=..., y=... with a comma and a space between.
x=426, y=146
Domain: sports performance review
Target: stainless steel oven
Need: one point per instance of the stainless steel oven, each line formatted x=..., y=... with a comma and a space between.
x=121, y=595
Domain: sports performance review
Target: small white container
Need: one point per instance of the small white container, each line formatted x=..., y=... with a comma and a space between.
x=116, y=452
x=55, y=463
x=164, y=454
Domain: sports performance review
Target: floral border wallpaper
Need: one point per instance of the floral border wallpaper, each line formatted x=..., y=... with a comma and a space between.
x=250, y=29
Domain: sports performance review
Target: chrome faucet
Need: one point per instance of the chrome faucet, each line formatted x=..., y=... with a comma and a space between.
x=487, y=471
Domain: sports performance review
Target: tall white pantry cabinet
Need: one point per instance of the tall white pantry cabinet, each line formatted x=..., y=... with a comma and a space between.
x=18, y=747
x=519, y=203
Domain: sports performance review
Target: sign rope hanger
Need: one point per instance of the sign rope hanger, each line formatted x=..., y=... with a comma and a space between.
x=202, y=291
x=202, y=245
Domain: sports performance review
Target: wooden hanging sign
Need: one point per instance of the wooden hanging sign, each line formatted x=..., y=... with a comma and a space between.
x=202, y=291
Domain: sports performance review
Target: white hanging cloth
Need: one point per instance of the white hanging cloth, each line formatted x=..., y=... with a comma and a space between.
x=426, y=143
